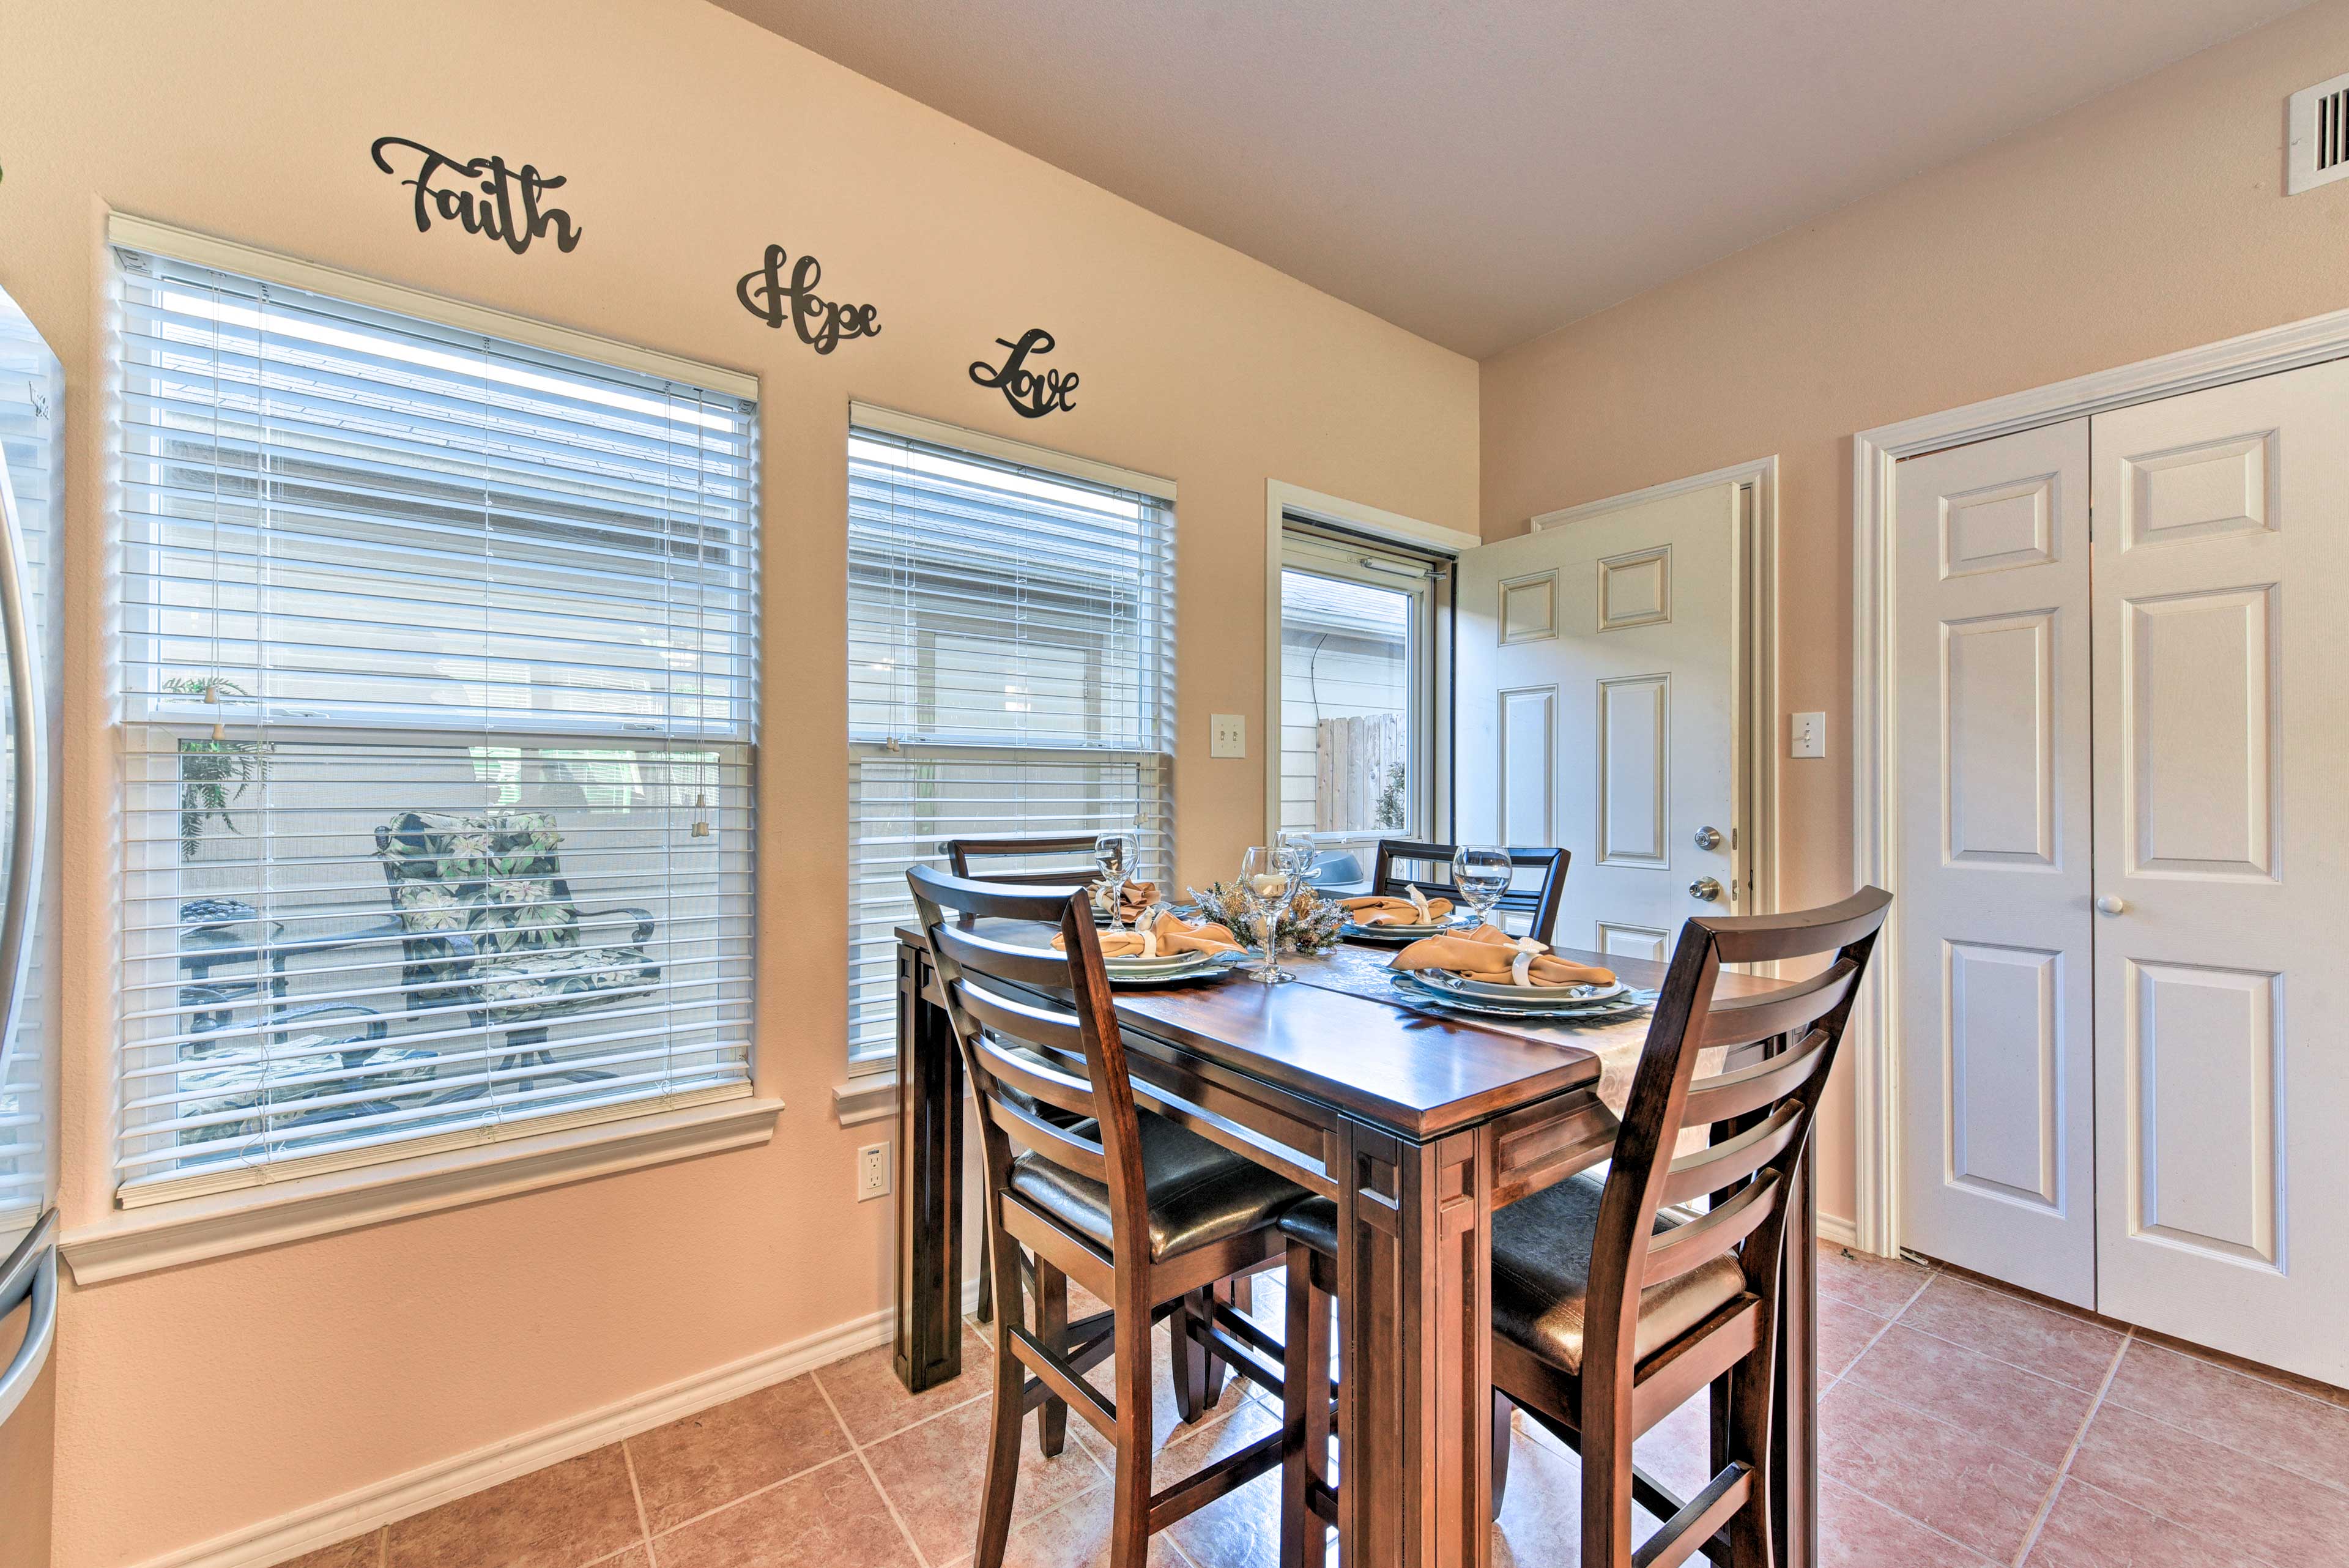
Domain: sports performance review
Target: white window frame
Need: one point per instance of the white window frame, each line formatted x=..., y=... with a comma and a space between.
x=1286, y=505
x=856, y=1101
x=119, y=1242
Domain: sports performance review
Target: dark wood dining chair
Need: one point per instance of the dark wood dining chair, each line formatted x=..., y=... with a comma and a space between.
x=1144, y=1212
x=980, y=859
x=1613, y=1301
x=1393, y=869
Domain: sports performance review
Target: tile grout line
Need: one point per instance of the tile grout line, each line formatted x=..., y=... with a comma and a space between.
x=636, y=1490
x=872, y=1475
x=2063, y=1470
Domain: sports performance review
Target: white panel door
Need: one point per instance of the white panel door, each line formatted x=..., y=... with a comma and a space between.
x=1997, y=1067
x=1596, y=709
x=2221, y=743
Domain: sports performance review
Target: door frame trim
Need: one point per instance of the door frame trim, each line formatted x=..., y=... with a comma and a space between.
x=1753, y=644
x=1282, y=499
x=1875, y=730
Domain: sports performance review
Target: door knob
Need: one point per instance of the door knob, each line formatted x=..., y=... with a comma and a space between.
x=2108, y=905
x=1704, y=887
x=1708, y=838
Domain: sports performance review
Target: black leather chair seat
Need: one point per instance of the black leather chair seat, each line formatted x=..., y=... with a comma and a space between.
x=1541, y=1277
x=1200, y=1192
x=1541, y=1271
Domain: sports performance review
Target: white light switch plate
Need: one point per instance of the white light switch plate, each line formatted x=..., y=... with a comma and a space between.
x=1230, y=737
x=1809, y=736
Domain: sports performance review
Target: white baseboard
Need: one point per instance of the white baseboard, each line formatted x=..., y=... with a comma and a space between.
x=1843, y=1232
x=308, y=1528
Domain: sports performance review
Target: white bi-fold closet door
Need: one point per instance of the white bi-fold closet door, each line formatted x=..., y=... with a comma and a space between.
x=2123, y=755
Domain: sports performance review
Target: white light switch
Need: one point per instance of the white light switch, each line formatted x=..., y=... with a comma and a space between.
x=1810, y=736
x=1230, y=736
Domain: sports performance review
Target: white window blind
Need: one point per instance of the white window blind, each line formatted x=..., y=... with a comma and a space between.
x=1010, y=672
x=437, y=681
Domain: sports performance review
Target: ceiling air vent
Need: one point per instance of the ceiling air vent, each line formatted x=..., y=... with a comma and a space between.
x=2317, y=132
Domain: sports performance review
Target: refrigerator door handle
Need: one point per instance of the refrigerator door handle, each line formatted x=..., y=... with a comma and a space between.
x=31, y=804
x=32, y=1271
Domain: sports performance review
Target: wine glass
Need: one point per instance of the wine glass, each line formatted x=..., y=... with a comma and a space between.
x=1113, y=854
x=1268, y=876
x=1482, y=873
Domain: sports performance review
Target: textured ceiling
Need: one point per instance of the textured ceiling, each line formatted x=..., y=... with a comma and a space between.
x=1481, y=173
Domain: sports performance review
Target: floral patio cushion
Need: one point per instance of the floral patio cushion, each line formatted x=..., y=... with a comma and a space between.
x=527, y=986
x=493, y=877
x=497, y=880
x=293, y=1084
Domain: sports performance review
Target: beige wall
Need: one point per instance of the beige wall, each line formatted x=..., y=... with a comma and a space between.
x=205, y=1398
x=2149, y=220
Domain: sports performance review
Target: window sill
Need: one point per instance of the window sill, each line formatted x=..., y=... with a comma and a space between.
x=252, y=1218
x=866, y=1097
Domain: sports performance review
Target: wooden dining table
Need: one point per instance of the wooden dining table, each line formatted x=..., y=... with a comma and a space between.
x=1421, y=1126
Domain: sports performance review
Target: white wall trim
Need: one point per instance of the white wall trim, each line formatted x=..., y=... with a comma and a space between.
x=866, y=1097
x=1757, y=470
x=218, y=1224
x=1875, y=1024
x=1280, y=500
x=319, y=1524
x=1837, y=1231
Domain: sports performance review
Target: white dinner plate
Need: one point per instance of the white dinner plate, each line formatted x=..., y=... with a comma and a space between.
x=1172, y=963
x=1541, y=996
x=1453, y=926
x=1624, y=1002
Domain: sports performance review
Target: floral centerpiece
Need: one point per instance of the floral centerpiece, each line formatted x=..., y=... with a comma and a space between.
x=1310, y=923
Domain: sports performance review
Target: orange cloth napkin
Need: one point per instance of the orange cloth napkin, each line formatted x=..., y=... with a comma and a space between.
x=1490, y=954
x=1133, y=900
x=1383, y=911
x=1169, y=934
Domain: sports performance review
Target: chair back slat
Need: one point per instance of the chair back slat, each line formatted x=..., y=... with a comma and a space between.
x=962, y=853
x=1727, y=1096
x=1005, y=960
x=1743, y=1020
x=1004, y=985
x=1759, y=1117
x=1675, y=1252
x=1390, y=873
x=1032, y=1132
x=1719, y=1167
x=1038, y=1078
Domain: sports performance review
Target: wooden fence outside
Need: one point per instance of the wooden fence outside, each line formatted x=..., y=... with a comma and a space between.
x=1355, y=762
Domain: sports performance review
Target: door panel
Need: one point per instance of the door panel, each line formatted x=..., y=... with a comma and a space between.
x=1617, y=632
x=2223, y=1089
x=1995, y=979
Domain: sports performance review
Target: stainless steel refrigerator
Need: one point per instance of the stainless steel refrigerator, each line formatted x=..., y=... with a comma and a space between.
x=32, y=495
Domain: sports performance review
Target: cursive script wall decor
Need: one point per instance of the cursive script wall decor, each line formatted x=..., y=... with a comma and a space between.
x=1031, y=395
x=823, y=324
x=505, y=208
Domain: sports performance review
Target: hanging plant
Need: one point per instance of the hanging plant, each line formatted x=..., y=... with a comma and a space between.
x=213, y=773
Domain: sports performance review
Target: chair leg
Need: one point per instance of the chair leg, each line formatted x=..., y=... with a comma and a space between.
x=1502, y=1433
x=1010, y=1415
x=1129, y=1538
x=1053, y=1329
x=1305, y=1414
x=1606, y=1488
x=1214, y=1371
x=1186, y=1361
x=1748, y=1438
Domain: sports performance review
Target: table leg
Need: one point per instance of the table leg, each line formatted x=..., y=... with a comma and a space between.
x=1416, y=1310
x=927, y=1344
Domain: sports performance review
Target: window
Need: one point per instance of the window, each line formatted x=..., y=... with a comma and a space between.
x=1010, y=667
x=437, y=690
x=1356, y=690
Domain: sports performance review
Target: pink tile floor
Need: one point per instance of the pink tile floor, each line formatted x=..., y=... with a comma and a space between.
x=1960, y=1426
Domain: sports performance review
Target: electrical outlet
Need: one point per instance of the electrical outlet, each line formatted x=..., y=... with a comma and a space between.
x=1230, y=736
x=873, y=1171
x=1809, y=738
